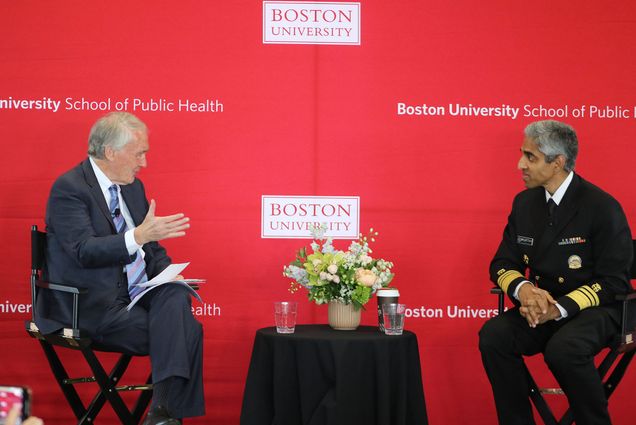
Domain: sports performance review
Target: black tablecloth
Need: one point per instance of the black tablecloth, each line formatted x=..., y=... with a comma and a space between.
x=319, y=376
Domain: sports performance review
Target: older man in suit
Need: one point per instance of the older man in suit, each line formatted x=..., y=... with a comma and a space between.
x=103, y=234
x=565, y=254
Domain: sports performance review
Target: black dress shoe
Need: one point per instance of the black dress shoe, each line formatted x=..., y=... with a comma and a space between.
x=160, y=416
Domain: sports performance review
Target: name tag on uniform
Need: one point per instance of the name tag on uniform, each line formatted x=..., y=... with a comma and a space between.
x=525, y=240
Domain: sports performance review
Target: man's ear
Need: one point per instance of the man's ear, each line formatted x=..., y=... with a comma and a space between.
x=109, y=153
x=560, y=162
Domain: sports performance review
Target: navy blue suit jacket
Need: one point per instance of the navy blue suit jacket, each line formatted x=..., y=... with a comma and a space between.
x=84, y=249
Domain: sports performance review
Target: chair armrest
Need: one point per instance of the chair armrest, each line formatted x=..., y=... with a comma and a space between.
x=500, y=298
x=61, y=287
x=626, y=297
x=75, y=291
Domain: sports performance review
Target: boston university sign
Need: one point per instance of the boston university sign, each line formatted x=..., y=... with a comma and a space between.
x=295, y=216
x=299, y=22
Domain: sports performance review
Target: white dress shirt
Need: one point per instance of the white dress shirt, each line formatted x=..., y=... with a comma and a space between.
x=104, y=183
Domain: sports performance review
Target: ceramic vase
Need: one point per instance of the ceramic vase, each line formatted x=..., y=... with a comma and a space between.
x=343, y=317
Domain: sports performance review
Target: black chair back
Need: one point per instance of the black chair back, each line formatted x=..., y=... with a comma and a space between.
x=632, y=273
x=38, y=261
x=38, y=248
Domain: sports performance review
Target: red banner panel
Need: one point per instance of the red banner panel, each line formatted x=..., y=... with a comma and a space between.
x=419, y=119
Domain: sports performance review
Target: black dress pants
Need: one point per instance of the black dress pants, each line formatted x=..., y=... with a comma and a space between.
x=162, y=326
x=568, y=348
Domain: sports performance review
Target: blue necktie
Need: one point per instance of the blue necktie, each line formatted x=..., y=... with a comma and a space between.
x=136, y=271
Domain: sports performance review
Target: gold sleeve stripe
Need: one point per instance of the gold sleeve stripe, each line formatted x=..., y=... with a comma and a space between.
x=506, y=279
x=584, y=297
x=591, y=294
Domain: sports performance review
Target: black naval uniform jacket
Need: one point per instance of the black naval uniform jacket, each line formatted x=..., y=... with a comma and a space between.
x=582, y=258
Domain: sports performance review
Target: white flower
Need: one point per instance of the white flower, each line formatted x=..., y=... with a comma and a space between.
x=328, y=248
x=298, y=274
x=318, y=232
x=333, y=269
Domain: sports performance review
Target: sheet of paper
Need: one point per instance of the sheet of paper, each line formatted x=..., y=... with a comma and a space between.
x=167, y=275
x=176, y=282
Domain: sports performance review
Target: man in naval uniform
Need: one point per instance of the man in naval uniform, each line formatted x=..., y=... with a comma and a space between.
x=565, y=254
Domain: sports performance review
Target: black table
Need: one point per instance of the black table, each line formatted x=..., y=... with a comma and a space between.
x=319, y=376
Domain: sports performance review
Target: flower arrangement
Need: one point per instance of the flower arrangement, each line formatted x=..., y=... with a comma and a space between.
x=351, y=276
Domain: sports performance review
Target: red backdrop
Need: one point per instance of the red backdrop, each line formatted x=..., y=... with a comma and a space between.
x=313, y=120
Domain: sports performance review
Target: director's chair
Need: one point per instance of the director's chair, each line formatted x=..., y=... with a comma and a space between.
x=611, y=369
x=73, y=338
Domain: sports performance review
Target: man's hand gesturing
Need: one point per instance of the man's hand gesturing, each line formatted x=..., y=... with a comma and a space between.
x=155, y=228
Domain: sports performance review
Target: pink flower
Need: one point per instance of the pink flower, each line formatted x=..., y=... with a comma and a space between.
x=366, y=277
